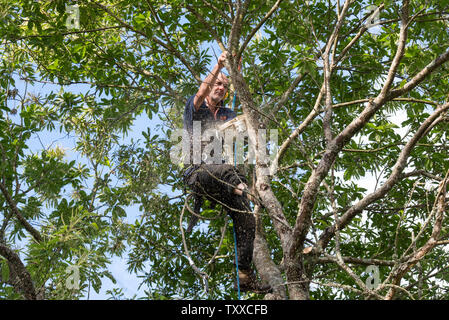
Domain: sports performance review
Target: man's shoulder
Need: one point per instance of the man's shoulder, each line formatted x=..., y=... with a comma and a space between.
x=190, y=104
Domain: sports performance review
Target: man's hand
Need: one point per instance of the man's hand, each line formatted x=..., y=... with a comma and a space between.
x=222, y=59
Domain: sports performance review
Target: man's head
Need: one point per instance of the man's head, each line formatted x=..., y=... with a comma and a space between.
x=219, y=89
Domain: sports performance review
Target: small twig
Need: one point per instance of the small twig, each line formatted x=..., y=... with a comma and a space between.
x=204, y=276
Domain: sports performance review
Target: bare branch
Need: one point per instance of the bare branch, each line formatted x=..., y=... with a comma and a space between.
x=259, y=25
x=360, y=261
x=430, y=244
x=400, y=50
x=266, y=267
x=36, y=235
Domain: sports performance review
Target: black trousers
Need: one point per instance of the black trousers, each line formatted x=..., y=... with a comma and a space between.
x=216, y=182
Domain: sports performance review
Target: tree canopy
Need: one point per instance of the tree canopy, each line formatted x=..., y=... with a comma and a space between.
x=356, y=203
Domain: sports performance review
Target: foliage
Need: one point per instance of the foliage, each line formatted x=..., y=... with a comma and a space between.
x=134, y=60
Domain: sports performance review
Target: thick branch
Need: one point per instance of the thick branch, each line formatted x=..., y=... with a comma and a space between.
x=36, y=235
x=267, y=195
x=259, y=25
x=267, y=269
x=361, y=261
x=22, y=280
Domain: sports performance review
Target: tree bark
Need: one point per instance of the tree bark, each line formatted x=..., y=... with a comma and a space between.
x=20, y=278
x=267, y=269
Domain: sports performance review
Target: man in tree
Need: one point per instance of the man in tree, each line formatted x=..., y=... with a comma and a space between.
x=220, y=182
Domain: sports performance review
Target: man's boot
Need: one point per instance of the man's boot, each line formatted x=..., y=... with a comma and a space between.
x=249, y=282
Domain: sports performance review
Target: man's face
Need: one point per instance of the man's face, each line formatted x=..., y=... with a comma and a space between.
x=219, y=89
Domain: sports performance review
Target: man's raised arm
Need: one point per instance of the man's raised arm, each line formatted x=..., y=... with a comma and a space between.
x=209, y=82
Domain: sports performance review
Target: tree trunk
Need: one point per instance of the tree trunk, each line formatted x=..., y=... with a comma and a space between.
x=267, y=269
x=298, y=285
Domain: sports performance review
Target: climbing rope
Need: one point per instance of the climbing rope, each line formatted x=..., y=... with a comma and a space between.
x=233, y=226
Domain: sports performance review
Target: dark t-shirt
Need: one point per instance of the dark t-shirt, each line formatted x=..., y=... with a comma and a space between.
x=222, y=114
x=207, y=119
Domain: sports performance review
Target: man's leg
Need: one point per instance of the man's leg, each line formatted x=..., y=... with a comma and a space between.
x=245, y=230
x=223, y=182
x=219, y=180
x=226, y=184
